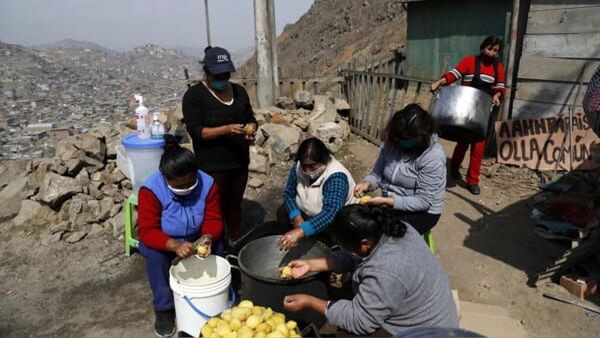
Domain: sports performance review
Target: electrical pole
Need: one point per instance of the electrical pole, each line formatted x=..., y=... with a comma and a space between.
x=207, y=23
x=267, y=80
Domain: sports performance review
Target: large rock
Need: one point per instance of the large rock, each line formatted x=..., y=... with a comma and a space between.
x=341, y=105
x=345, y=128
x=285, y=102
x=33, y=213
x=89, y=147
x=55, y=189
x=323, y=112
x=283, y=140
x=331, y=134
x=259, y=160
x=304, y=99
x=10, y=198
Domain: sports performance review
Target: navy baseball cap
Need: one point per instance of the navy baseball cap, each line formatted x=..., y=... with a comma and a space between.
x=218, y=60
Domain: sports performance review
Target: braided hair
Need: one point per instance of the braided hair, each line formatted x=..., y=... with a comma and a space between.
x=356, y=222
x=176, y=161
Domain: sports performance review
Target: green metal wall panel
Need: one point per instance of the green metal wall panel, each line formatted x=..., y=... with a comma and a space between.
x=440, y=29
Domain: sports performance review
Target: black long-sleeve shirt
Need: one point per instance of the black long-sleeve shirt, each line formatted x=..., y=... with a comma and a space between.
x=202, y=109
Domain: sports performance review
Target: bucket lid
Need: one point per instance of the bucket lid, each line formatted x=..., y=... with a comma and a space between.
x=133, y=141
x=195, y=270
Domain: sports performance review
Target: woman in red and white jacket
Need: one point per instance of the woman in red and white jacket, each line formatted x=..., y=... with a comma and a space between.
x=484, y=72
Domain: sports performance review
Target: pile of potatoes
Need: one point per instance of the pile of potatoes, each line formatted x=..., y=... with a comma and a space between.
x=249, y=321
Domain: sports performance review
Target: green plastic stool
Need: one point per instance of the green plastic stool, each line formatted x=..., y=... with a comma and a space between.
x=428, y=237
x=131, y=240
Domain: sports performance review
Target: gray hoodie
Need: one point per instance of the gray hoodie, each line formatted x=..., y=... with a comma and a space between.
x=398, y=286
x=416, y=185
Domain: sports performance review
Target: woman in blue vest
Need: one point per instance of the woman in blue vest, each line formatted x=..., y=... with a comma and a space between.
x=177, y=205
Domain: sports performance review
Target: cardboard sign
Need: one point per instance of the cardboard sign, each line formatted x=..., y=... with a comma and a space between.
x=542, y=143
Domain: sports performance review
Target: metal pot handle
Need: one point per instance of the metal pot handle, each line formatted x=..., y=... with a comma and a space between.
x=233, y=261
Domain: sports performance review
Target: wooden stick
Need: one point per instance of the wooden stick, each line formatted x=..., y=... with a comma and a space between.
x=573, y=302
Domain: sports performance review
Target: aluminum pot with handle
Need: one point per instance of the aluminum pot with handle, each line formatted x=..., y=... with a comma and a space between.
x=259, y=262
x=462, y=113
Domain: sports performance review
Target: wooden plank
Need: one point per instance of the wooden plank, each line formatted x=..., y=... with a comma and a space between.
x=544, y=5
x=560, y=21
x=530, y=109
x=543, y=68
x=549, y=92
x=583, y=45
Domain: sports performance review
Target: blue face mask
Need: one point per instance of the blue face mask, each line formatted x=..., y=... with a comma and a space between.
x=219, y=84
x=408, y=144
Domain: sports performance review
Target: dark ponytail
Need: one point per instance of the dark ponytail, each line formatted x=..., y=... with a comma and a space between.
x=176, y=161
x=355, y=222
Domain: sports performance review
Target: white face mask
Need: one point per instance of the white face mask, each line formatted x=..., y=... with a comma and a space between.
x=183, y=192
x=313, y=175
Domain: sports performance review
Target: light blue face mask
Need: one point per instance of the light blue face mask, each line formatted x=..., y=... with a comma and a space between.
x=408, y=144
x=219, y=85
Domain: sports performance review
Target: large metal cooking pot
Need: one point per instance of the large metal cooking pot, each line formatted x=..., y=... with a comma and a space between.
x=462, y=113
x=260, y=261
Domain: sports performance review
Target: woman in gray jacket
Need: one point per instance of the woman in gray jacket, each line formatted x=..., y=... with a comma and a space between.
x=410, y=169
x=397, y=282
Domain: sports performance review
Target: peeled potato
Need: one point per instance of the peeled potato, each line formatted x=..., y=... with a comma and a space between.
x=235, y=324
x=213, y=322
x=365, y=199
x=283, y=329
x=258, y=310
x=202, y=250
x=279, y=318
x=276, y=334
x=226, y=315
x=206, y=331
x=286, y=272
x=253, y=321
x=263, y=327
x=247, y=320
x=250, y=129
x=291, y=325
x=230, y=334
x=245, y=334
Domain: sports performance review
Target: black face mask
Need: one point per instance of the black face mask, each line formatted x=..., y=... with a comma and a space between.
x=487, y=59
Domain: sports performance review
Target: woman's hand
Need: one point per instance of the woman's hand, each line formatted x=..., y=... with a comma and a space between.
x=300, y=268
x=233, y=129
x=299, y=302
x=298, y=220
x=361, y=188
x=290, y=239
x=389, y=201
x=437, y=84
x=496, y=99
x=183, y=249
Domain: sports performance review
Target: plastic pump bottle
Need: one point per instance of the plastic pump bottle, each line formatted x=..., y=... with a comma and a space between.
x=158, y=129
x=141, y=117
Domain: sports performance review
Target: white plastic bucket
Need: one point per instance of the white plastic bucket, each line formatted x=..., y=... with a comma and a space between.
x=144, y=156
x=201, y=290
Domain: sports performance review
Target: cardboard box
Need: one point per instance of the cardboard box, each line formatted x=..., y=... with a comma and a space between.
x=581, y=287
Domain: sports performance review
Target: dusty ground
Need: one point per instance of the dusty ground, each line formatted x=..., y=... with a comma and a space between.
x=91, y=289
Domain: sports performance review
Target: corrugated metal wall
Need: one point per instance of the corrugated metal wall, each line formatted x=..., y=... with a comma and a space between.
x=440, y=30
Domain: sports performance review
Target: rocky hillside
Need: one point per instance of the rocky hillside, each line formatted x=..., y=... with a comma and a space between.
x=334, y=31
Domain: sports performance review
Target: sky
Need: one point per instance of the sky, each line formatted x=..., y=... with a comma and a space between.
x=124, y=24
